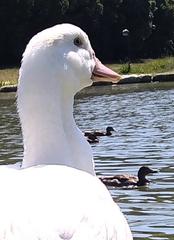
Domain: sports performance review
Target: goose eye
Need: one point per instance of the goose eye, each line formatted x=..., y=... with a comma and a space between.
x=78, y=42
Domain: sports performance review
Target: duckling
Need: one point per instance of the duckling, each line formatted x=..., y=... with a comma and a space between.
x=91, y=138
x=108, y=132
x=128, y=180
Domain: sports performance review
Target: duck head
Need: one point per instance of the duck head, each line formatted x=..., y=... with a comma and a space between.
x=142, y=173
x=110, y=129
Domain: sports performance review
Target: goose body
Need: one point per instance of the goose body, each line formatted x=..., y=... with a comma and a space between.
x=128, y=180
x=53, y=202
x=56, y=195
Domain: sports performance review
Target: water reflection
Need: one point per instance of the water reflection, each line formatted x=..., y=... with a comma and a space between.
x=143, y=117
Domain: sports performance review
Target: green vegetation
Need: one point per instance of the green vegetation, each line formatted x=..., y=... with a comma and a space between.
x=9, y=76
x=150, y=24
x=150, y=66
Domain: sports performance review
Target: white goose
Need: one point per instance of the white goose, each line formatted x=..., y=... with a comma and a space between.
x=56, y=194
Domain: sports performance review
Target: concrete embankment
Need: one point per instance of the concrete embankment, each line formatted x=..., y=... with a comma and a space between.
x=143, y=78
x=127, y=79
x=11, y=88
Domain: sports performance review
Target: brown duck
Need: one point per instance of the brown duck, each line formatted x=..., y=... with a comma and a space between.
x=108, y=132
x=128, y=180
x=91, y=138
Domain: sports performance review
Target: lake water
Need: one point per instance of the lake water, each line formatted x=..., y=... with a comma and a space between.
x=143, y=117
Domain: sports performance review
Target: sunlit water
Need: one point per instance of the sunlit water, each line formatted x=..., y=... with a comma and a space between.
x=143, y=117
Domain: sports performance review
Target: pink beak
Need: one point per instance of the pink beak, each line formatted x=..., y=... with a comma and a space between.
x=103, y=73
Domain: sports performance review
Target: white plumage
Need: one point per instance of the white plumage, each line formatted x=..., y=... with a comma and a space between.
x=56, y=194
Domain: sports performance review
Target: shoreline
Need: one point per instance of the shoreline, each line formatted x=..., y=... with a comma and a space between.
x=141, y=78
x=127, y=79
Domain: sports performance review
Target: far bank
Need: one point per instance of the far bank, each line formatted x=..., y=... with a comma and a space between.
x=141, y=71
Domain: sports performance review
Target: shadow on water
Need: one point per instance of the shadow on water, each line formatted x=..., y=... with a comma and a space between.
x=143, y=116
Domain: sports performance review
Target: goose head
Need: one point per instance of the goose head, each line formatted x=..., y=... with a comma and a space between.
x=57, y=63
x=64, y=53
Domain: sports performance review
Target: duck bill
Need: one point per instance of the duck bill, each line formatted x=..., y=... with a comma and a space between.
x=101, y=73
x=154, y=171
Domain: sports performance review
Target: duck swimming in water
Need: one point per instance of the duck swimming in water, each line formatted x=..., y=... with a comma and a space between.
x=108, y=132
x=128, y=180
x=56, y=194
